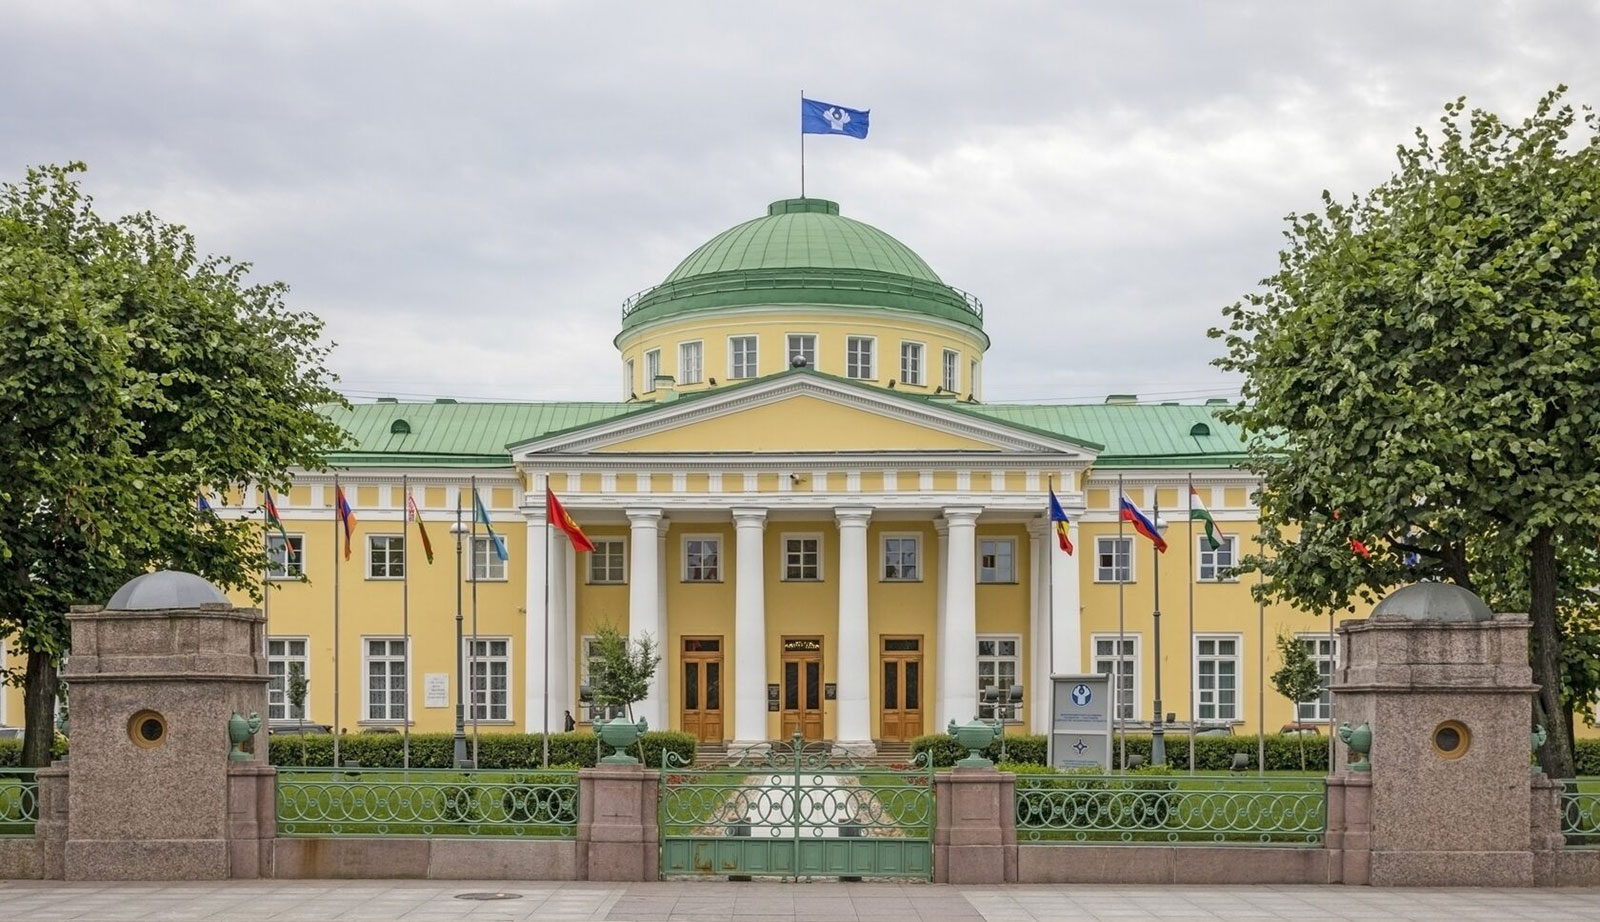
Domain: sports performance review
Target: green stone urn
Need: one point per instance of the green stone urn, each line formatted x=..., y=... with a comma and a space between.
x=240, y=730
x=974, y=736
x=1538, y=738
x=619, y=735
x=1359, y=739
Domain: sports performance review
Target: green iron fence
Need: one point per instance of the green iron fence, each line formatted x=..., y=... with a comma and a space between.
x=19, y=801
x=800, y=810
x=419, y=802
x=1204, y=810
x=1580, y=812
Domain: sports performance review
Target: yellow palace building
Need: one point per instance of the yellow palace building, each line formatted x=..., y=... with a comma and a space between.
x=801, y=493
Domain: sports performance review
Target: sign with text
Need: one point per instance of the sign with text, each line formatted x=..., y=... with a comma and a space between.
x=436, y=690
x=1080, y=721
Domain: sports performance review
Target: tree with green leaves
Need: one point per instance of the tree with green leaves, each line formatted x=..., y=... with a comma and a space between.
x=1422, y=376
x=623, y=669
x=135, y=373
x=1297, y=678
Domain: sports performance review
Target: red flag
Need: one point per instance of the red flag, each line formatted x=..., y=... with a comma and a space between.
x=1357, y=546
x=559, y=518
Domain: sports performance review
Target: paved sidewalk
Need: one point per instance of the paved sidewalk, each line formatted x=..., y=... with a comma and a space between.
x=436, y=901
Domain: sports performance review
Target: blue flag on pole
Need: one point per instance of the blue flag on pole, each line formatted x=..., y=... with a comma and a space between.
x=827, y=118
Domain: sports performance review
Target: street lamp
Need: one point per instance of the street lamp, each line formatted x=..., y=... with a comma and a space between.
x=1158, y=732
x=460, y=749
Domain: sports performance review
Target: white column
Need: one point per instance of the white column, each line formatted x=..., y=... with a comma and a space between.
x=941, y=718
x=644, y=605
x=958, y=656
x=534, y=705
x=662, y=529
x=1036, y=704
x=854, y=720
x=560, y=659
x=1066, y=612
x=750, y=628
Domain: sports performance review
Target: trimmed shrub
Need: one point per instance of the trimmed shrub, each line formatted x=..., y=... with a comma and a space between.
x=11, y=751
x=1028, y=748
x=437, y=750
x=1212, y=753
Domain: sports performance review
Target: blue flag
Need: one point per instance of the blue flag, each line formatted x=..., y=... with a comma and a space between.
x=827, y=118
x=495, y=540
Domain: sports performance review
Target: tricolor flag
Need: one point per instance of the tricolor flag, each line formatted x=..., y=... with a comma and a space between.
x=415, y=516
x=1199, y=513
x=273, y=519
x=483, y=519
x=1132, y=514
x=1059, y=517
x=342, y=507
x=559, y=518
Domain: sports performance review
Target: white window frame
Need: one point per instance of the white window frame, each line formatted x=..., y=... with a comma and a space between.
x=1104, y=575
x=997, y=578
x=367, y=659
x=721, y=559
x=733, y=356
x=487, y=562
x=295, y=572
x=872, y=357
x=986, y=712
x=918, y=362
x=628, y=385
x=1321, y=706
x=278, y=683
x=1205, y=559
x=950, y=371
x=588, y=712
x=599, y=556
x=692, y=372
x=783, y=557
x=372, y=558
x=790, y=351
x=973, y=368
x=476, y=659
x=652, y=369
x=883, y=557
x=1135, y=674
x=1237, y=658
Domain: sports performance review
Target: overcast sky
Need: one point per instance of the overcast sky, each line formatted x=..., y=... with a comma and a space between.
x=466, y=191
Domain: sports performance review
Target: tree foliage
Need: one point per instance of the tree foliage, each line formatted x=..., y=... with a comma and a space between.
x=624, y=669
x=1422, y=375
x=135, y=372
x=1297, y=678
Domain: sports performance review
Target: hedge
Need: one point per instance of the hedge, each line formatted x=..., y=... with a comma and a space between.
x=11, y=751
x=436, y=750
x=1213, y=753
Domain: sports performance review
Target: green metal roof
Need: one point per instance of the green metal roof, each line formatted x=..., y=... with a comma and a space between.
x=803, y=252
x=447, y=434
x=1134, y=435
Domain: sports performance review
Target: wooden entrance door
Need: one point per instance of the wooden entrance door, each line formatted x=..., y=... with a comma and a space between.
x=900, y=717
x=802, y=687
x=702, y=688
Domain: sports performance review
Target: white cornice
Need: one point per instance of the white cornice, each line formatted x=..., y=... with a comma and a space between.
x=806, y=311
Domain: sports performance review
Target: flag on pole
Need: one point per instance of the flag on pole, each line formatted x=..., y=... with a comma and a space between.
x=1059, y=517
x=1199, y=513
x=202, y=505
x=1357, y=546
x=415, y=516
x=1133, y=515
x=826, y=118
x=495, y=540
x=559, y=518
x=274, y=520
x=342, y=506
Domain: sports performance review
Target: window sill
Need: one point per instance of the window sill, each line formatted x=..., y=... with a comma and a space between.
x=701, y=582
x=498, y=579
x=886, y=579
x=606, y=582
x=1114, y=582
x=997, y=582
x=801, y=579
x=486, y=722
x=385, y=723
x=296, y=578
x=386, y=579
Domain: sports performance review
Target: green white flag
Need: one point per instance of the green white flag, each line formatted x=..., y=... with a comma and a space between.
x=1199, y=513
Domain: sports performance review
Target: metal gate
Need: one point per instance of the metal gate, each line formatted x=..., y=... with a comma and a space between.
x=799, y=810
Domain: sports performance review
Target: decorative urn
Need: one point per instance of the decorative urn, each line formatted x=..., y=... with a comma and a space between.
x=619, y=734
x=974, y=736
x=240, y=730
x=1359, y=739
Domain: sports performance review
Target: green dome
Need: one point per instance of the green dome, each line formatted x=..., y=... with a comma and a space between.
x=803, y=252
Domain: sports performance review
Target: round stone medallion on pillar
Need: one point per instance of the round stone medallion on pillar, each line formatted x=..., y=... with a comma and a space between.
x=853, y=727
x=750, y=629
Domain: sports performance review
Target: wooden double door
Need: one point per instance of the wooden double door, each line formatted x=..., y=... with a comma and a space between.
x=900, y=684
x=800, y=688
x=701, y=714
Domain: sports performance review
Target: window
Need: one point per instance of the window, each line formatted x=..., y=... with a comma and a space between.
x=997, y=560
x=1215, y=564
x=802, y=557
x=911, y=363
x=972, y=377
x=1216, y=676
x=741, y=356
x=386, y=678
x=952, y=370
x=1113, y=560
x=1325, y=651
x=901, y=558
x=386, y=557
x=486, y=563
x=287, y=556
x=858, y=357
x=627, y=380
x=702, y=559
x=803, y=346
x=285, y=655
x=690, y=364
x=489, y=661
x=593, y=665
x=652, y=368
x=998, y=664
x=606, y=562
x=1124, y=671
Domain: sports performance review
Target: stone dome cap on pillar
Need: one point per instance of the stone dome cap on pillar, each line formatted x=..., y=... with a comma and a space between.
x=1433, y=602
x=166, y=589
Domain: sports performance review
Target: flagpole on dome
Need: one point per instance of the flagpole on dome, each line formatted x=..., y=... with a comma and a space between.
x=1193, y=707
x=405, y=617
x=802, y=144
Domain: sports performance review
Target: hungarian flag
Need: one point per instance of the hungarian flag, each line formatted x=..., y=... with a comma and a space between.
x=1199, y=513
x=1059, y=517
x=559, y=518
x=415, y=516
x=342, y=507
x=273, y=520
x=1132, y=514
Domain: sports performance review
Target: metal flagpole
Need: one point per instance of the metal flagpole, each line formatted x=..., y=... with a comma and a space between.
x=337, y=730
x=1122, y=633
x=1050, y=569
x=1158, y=730
x=802, y=144
x=1331, y=725
x=547, y=582
x=472, y=647
x=1261, y=663
x=1193, y=708
x=460, y=742
x=405, y=615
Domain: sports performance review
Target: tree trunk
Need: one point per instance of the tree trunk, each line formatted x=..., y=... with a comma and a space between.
x=39, y=709
x=1556, y=754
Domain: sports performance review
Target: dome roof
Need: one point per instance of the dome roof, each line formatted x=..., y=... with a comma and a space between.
x=1433, y=602
x=165, y=589
x=803, y=252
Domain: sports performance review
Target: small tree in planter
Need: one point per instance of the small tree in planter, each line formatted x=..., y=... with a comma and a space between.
x=296, y=686
x=624, y=671
x=1296, y=679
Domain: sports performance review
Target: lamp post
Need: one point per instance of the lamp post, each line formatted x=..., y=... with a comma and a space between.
x=460, y=749
x=1158, y=732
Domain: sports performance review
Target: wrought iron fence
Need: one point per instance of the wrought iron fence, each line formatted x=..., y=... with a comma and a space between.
x=1171, y=809
x=1580, y=812
x=19, y=801
x=360, y=802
